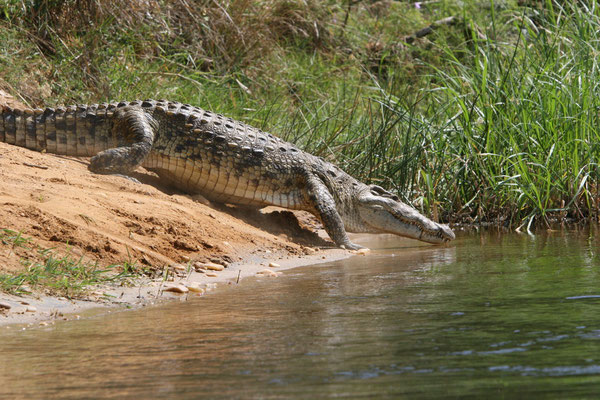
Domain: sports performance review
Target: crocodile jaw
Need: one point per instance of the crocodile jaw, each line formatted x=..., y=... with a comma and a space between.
x=386, y=215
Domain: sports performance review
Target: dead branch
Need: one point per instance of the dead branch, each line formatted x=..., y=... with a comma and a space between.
x=426, y=31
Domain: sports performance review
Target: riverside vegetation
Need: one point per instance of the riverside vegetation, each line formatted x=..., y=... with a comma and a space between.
x=490, y=118
x=61, y=275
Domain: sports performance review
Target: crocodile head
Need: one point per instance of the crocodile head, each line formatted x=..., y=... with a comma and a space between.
x=382, y=212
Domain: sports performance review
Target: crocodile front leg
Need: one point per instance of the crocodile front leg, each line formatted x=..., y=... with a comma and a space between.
x=137, y=130
x=323, y=203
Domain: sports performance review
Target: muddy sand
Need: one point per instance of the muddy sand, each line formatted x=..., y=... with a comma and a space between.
x=57, y=204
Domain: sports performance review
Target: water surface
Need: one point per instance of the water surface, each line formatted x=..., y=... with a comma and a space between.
x=492, y=315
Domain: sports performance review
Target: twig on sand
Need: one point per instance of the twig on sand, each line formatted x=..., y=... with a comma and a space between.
x=35, y=165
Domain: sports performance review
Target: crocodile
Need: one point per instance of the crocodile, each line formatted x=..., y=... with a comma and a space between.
x=226, y=161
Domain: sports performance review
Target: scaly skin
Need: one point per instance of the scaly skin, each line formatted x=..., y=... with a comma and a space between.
x=224, y=160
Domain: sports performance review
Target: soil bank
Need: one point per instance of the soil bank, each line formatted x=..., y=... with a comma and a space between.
x=60, y=205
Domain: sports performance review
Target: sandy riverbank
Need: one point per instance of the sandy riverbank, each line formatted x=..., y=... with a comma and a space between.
x=55, y=203
x=34, y=310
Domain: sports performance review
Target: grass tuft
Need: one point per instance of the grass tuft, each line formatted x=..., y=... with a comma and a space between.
x=60, y=275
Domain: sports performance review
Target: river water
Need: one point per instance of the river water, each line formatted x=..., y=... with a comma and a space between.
x=489, y=316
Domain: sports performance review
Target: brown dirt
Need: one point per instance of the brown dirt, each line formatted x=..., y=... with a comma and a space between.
x=60, y=204
x=8, y=100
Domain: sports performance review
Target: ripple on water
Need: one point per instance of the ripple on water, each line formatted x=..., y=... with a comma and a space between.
x=471, y=319
x=565, y=370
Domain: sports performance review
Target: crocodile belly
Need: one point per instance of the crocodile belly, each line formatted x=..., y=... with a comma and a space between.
x=225, y=185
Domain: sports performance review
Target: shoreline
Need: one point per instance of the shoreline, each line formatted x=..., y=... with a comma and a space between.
x=52, y=206
x=30, y=311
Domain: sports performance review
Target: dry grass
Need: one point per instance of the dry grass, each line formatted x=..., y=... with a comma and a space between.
x=214, y=35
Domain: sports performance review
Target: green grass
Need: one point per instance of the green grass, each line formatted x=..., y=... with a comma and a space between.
x=493, y=119
x=61, y=275
x=13, y=239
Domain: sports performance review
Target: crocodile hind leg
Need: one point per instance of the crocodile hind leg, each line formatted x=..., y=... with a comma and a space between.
x=324, y=205
x=137, y=130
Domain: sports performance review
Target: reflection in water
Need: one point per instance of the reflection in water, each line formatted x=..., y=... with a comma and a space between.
x=510, y=315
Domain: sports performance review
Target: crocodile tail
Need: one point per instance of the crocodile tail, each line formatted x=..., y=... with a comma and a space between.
x=75, y=131
x=2, y=134
x=23, y=127
x=8, y=124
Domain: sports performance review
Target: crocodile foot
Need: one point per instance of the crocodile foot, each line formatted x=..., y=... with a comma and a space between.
x=352, y=246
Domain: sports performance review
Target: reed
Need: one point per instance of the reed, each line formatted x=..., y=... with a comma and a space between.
x=493, y=119
x=504, y=133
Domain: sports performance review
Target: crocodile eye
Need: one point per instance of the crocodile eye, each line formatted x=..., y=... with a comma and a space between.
x=379, y=191
x=376, y=192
